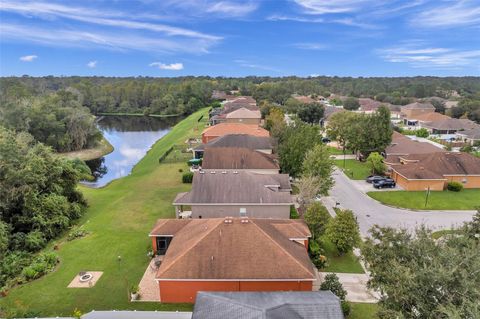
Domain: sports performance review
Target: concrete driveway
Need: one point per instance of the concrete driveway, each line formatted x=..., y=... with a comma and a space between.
x=370, y=212
x=356, y=287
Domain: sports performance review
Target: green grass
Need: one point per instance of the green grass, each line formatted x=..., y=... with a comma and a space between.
x=354, y=169
x=363, y=311
x=347, y=263
x=441, y=233
x=119, y=219
x=335, y=151
x=467, y=199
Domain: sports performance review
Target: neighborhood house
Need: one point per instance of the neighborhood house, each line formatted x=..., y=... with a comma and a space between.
x=239, y=194
x=213, y=132
x=231, y=254
x=239, y=159
x=256, y=143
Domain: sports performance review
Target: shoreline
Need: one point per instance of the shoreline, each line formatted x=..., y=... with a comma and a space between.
x=139, y=114
x=103, y=148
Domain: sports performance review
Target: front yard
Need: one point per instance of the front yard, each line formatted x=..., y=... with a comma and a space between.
x=354, y=169
x=347, y=263
x=467, y=199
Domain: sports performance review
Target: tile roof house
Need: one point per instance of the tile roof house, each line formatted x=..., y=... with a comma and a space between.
x=221, y=129
x=231, y=254
x=229, y=193
x=239, y=159
x=413, y=109
x=244, y=115
x=267, y=305
x=402, y=145
x=304, y=99
x=470, y=135
x=422, y=171
x=260, y=144
x=449, y=125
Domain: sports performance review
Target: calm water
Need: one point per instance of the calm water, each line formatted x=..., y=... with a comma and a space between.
x=131, y=138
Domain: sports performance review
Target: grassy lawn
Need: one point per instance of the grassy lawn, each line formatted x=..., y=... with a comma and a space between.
x=347, y=263
x=467, y=199
x=119, y=219
x=354, y=169
x=363, y=311
x=335, y=151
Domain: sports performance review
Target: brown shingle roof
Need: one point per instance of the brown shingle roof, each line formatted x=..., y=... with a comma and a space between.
x=438, y=165
x=240, y=140
x=403, y=145
x=244, y=113
x=473, y=134
x=235, y=128
x=304, y=99
x=213, y=249
x=417, y=105
x=168, y=227
x=237, y=158
x=429, y=117
x=238, y=188
x=451, y=124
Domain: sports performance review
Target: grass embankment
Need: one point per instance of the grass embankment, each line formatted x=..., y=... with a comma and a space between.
x=119, y=219
x=354, y=169
x=467, y=199
x=141, y=114
x=103, y=148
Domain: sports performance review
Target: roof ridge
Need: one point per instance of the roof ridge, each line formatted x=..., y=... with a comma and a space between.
x=219, y=222
x=281, y=247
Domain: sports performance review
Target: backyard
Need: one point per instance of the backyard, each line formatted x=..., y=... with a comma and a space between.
x=467, y=199
x=118, y=220
x=353, y=169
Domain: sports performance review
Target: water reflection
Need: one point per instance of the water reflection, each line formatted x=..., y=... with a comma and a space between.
x=131, y=138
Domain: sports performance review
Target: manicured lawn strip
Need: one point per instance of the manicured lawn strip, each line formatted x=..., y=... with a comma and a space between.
x=347, y=263
x=363, y=311
x=354, y=169
x=119, y=219
x=467, y=199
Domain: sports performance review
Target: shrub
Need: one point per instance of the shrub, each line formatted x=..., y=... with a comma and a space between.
x=29, y=273
x=34, y=241
x=187, y=178
x=134, y=289
x=77, y=233
x=423, y=132
x=316, y=254
x=343, y=231
x=346, y=308
x=332, y=283
x=454, y=186
x=317, y=218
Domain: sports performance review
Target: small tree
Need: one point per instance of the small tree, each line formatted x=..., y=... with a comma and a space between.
x=343, y=231
x=311, y=113
x=376, y=164
x=275, y=121
x=333, y=284
x=318, y=164
x=317, y=218
x=351, y=104
x=307, y=191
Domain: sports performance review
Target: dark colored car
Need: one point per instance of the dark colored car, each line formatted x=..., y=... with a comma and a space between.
x=326, y=140
x=374, y=178
x=385, y=183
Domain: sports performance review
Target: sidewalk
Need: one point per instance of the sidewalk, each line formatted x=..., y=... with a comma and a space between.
x=356, y=287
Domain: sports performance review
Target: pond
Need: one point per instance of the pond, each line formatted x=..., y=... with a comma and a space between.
x=131, y=137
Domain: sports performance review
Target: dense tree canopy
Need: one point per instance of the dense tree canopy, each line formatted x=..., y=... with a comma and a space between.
x=420, y=277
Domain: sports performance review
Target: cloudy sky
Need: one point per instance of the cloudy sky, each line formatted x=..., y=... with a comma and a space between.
x=240, y=38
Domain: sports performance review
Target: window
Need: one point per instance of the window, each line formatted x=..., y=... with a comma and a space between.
x=243, y=212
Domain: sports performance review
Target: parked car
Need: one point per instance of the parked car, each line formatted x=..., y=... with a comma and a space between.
x=374, y=178
x=326, y=140
x=385, y=183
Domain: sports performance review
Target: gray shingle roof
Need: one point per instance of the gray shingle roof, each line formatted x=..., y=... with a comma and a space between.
x=237, y=188
x=267, y=305
x=240, y=140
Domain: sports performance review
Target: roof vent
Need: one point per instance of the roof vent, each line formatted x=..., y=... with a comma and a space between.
x=212, y=172
x=244, y=220
x=224, y=172
x=228, y=220
x=201, y=172
x=235, y=172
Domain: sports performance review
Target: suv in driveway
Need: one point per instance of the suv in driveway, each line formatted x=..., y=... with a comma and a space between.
x=385, y=183
x=374, y=178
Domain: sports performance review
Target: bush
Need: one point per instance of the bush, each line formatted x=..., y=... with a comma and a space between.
x=29, y=273
x=343, y=231
x=77, y=233
x=454, y=186
x=294, y=213
x=187, y=178
x=316, y=254
x=34, y=241
x=346, y=308
x=332, y=283
x=423, y=132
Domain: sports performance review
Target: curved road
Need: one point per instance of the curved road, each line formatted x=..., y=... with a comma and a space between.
x=370, y=212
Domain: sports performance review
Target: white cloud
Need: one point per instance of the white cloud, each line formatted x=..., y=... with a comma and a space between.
x=431, y=57
x=92, y=64
x=232, y=8
x=28, y=58
x=248, y=64
x=173, y=66
x=333, y=6
x=310, y=46
x=169, y=38
x=459, y=13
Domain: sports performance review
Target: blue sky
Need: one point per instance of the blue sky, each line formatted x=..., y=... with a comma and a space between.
x=240, y=38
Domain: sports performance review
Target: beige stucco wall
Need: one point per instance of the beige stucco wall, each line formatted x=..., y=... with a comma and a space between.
x=254, y=211
x=244, y=121
x=418, y=185
x=466, y=181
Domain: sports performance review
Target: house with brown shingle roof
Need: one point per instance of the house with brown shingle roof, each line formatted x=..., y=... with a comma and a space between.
x=449, y=126
x=433, y=171
x=239, y=159
x=213, y=132
x=413, y=109
x=231, y=254
x=236, y=193
x=244, y=115
x=469, y=136
x=402, y=145
x=256, y=143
